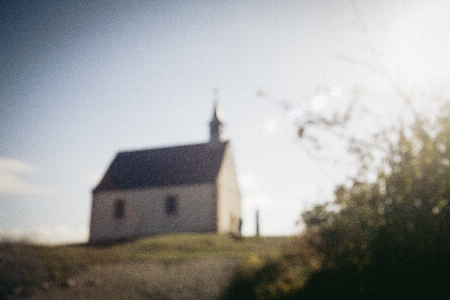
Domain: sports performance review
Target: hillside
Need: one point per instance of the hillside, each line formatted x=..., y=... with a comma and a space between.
x=178, y=266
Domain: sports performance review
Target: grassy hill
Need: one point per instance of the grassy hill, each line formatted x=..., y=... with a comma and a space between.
x=25, y=267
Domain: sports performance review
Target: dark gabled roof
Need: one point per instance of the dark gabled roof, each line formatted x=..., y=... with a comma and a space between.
x=199, y=163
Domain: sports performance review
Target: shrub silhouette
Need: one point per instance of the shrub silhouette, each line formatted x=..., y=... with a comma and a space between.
x=261, y=278
x=389, y=239
x=20, y=270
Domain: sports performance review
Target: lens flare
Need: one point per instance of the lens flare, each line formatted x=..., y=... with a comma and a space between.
x=295, y=114
x=335, y=92
x=271, y=126
x=318, y=102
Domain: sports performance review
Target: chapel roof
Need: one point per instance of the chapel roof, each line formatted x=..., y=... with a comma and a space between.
x=179, y=165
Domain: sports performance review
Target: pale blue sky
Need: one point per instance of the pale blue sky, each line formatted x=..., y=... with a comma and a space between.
x=81, y=81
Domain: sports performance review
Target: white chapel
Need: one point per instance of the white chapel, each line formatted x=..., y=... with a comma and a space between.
x=188, y=188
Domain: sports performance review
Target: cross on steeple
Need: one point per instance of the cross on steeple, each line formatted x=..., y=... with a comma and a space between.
x=216, y=95
x=216, y=125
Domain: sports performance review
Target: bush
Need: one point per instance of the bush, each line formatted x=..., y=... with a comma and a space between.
x=263, y=278
x=20, y=270
x=389, y=239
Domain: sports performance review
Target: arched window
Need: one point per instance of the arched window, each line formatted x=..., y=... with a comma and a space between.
x=171, y=205
x=119, y=209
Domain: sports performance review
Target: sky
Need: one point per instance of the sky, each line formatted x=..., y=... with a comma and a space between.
x=82, y=80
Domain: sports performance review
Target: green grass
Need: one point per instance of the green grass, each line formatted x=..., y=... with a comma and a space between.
x=185, y=246
x=56, y=264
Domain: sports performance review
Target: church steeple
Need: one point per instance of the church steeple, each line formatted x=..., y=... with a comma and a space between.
x=216, y=127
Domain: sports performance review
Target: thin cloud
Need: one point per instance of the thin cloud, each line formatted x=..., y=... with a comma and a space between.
x=49, y=235
x=11, y=181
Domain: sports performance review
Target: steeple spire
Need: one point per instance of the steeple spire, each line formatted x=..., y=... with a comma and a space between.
x=216, y=125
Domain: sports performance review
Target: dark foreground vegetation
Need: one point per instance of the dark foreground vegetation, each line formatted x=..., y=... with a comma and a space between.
x=387, y=238
x=27, y=268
